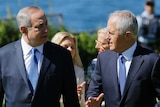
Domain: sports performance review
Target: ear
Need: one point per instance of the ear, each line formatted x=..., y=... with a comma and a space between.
x=23, y=29
x=128, y=33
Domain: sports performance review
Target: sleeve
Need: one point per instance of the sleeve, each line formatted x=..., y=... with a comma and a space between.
x=95, y=86
x=1, y=89
x=70, y=97
x=139, y=21
x=82, y=101
x=156, y=80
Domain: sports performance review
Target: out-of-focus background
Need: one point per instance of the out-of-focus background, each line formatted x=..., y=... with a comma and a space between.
x=77, y=15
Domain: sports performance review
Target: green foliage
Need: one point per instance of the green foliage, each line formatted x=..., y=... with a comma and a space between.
x=86, y=41
x=8, y=32
x=53, y=30
x=86, y=45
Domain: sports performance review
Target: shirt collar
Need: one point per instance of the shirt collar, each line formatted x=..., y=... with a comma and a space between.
x=26, y=47
x=145, y=14
x=128, y=54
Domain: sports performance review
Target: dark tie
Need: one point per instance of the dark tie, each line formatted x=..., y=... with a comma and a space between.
x=122, y=73
x=33, y=72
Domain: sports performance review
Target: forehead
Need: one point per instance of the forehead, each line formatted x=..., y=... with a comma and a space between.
x=102, y=35
x=111, y=25
x=68, y=39
x=38, y=17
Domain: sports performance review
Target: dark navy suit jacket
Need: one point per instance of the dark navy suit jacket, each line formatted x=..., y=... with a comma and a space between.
x=56, y=77
x=142, y=84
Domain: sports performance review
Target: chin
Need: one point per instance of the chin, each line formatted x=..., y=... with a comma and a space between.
x=112, y=49
x=99, y=52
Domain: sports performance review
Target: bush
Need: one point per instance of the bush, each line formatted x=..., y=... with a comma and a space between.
x=86, y=45
x=9, y=32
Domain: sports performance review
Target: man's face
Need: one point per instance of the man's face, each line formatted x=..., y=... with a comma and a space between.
x=116, y=41
x=101, y=42
x=149, y=8
x=38, y=32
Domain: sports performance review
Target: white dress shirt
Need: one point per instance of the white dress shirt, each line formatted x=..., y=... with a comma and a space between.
x=128, y=55
x=26, y=48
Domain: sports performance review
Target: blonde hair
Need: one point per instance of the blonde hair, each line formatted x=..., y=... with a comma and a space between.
x=102, y=30
x=59, y=37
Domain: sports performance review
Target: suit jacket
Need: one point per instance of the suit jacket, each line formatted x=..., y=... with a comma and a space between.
x=142, y=84
x=56, y=77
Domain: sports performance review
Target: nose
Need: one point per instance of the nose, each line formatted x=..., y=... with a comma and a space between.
x=97, y=46
x=69, y=48
x=108, y=37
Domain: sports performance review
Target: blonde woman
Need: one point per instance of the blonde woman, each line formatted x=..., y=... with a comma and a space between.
x=68, y=41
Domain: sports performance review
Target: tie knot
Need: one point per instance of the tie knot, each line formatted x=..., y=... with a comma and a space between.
x=33, y=51
x=122, y=58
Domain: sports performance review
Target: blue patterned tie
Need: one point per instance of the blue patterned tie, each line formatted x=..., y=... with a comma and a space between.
x=33, y=72
x=122, y=73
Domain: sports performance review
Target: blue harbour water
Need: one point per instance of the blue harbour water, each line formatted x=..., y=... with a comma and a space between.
x=78, y=15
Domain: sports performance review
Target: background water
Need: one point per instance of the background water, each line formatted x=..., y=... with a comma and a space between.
x=78, y=15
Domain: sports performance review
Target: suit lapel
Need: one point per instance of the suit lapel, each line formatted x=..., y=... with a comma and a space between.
x=45, y=64
x=112, y=73
x=19, y=61
x=137, y=61
x=115, y=76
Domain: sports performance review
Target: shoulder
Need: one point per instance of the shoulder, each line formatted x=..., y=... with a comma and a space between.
x=94, y=61
x=146, y=53
x=56, y=53
x=54, y=49
x=9, y=47
x=106, y=56
x=157, y=16
x=139, y=17
x=50, y=45
x=107, y=53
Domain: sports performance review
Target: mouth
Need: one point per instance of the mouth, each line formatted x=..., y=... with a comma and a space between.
x=44, y=36
x=108, y=41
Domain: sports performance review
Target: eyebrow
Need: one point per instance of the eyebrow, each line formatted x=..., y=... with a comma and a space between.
x=110, y=32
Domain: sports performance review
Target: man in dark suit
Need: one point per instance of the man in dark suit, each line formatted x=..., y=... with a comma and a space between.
x=140, y=85
x=55, y=67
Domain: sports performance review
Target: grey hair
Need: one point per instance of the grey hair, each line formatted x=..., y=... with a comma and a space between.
x=103, y=31
x=126, y=21
x=24, y=16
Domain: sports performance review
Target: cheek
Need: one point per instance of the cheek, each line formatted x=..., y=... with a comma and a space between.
x=73, y=53
x=115, y=40
x=100, y=50
x=34, y=35
x=106, y=47
x=113, y=44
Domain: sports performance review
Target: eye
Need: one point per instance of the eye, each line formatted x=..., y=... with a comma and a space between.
x=65, y=46
x=72, y=47
x=39, y=26
x=111, y=33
